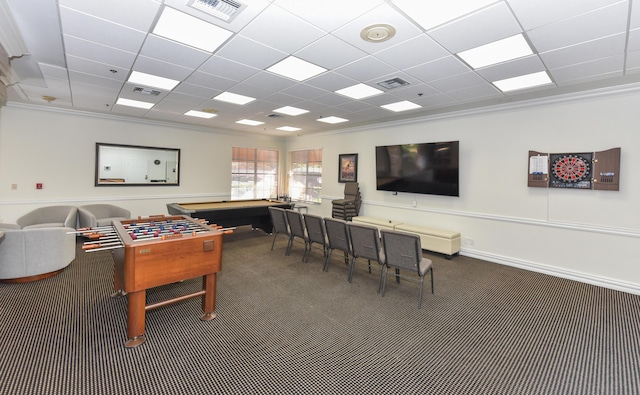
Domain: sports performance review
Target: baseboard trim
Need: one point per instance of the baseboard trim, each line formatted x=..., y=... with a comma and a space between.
x=554, y=271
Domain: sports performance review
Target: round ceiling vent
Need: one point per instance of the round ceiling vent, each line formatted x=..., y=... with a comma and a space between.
x=378, y=33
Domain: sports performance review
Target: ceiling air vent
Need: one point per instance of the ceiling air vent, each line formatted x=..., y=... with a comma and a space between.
x=221, y=9
x=393, y=83
x=146, y=91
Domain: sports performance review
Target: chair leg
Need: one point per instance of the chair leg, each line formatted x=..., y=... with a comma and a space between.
x=421, y=284
x=398, y=276
x=289, y=245
x=369, y=261
x=327, y=258
x=274, y=240
x=380, y=281
x=431, y=279
x=307, y=250
x=353, y=263
x=384, y=281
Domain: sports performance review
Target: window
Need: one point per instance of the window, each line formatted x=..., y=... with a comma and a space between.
x=305, y=175
x=254, y=173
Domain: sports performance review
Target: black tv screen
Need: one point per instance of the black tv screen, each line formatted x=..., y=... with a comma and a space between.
x=427, y=168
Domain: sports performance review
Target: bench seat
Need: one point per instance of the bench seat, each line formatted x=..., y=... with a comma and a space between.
x=439, y=240
x=377, y=222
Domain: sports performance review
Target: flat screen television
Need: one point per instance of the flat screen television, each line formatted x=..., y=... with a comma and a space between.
x=427, y=168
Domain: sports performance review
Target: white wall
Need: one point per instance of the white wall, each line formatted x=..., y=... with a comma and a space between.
x=591, y=236
x=57, y=149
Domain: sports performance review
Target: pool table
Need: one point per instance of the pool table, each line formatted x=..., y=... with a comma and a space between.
x=231, y=213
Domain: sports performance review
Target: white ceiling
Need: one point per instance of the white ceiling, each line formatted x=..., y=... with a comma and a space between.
x=82, y=51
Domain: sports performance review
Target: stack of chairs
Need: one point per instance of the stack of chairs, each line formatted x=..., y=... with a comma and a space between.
x=348, y=207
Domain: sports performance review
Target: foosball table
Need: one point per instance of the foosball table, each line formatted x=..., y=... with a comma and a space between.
x=154, y=251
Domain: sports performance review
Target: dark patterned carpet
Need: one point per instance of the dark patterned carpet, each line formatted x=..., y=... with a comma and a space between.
x=287, y=327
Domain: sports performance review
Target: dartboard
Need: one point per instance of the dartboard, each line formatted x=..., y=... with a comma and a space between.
x=571, y=168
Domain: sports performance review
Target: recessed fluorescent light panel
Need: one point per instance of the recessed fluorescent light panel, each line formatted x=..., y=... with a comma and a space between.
x=401, y=106
x=188, y=30
x=200, y=114
x=432, y=13
x=296, y=69
x=359, y=91
x=249, y=122
x=293, y=111
x=234, y=98
x=523, y=82
x=497, y=52
x=153, y=81
x=289, y=129
x=332, y=120
x=134, y=103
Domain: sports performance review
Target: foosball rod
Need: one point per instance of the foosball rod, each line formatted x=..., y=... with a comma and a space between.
x=104, y=248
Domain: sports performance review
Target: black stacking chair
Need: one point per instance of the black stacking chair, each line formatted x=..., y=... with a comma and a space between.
x=403, y=252
x=280, y=225
x=365, y=243
x=296, y=229
x=337, y=239
x=316, y=232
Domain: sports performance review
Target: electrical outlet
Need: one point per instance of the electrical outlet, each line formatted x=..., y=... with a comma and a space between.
x=467, y=241
x=414, y=203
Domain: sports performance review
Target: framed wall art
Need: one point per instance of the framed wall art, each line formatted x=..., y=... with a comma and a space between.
x=347, y=167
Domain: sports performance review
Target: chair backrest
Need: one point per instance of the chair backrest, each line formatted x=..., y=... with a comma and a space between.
x=402, y=250
x=296, y=224
x=365, y=241
x=279, y=220
x=337, y=234
x=66, y=216
x=315, y=229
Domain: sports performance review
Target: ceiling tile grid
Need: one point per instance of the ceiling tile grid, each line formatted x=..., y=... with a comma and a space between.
x=84, y=56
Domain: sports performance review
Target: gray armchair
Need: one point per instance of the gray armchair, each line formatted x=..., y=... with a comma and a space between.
x=93, y=215
x=39, y=245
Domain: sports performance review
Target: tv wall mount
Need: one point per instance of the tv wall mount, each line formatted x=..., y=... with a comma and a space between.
x=584, y=170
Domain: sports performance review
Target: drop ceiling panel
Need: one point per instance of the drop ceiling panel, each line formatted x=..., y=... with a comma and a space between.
x=228, y=69
x=513, y=68
x=487, y=25
x=140, y=14
x=100, y=31
x=278, y=35
x=533, y=14
x=382, y=14
x=366, y=69
x=209, y=81
x=270, y=81
x=331, y=14
x=613, y=64
x=99, y=53
x=196, y=90
x=304, y=91
x=161, y=69
x=242, y=50
x=590, y=26
x=438, y=69
x=587, y=51
x=460, y=81
x=86, y=66
x=168, y=51
x=330, y=52
x=331, y=81
x=97, y=82
x=413, y=52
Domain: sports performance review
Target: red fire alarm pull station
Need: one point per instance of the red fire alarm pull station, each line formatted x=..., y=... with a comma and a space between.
x=39, y=185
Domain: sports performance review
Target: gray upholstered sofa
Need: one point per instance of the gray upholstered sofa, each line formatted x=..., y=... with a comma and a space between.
x=39, y=245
